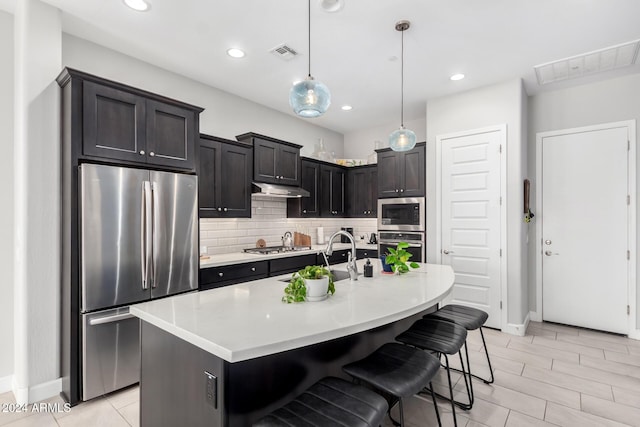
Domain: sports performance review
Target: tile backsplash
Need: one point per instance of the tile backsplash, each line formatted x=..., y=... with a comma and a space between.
x=269, y=222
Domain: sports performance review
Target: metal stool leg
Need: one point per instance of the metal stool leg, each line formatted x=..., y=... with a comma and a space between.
x=486, y=352
x=435, y=404
x=453, y=404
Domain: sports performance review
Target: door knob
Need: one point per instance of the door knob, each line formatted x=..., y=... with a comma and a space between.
x=549, y=253
x=446, y=252
x=547, y=242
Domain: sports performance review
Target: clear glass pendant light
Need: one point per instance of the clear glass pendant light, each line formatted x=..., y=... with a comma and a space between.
x=402, y=139
x=310, y=97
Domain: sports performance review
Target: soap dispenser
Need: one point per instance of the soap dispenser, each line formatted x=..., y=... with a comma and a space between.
x=368, y=269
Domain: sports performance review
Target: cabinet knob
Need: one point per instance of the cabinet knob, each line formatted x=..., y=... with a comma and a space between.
x=151, y=153
x=142, y=152
x=397, y=191
x=304, y=211
x=344, y=254
x=253, y=269
x=364, y=212
x=402, y=190
x=219, y=209
x=220, y=274
x=225, y=209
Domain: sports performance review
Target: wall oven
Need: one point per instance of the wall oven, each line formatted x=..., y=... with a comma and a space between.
x=415, y=239
x=401, y=214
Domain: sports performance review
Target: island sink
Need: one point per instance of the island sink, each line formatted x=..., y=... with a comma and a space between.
x=338, y=275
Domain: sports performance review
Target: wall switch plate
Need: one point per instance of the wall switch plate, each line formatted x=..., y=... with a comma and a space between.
x=203, y=250
x=212, y=389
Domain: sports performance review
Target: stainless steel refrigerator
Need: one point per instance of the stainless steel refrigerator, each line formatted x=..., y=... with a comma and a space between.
x=138, y=241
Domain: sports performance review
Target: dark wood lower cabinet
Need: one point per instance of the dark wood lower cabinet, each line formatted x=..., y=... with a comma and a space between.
x=215, y=277
x=366, y=253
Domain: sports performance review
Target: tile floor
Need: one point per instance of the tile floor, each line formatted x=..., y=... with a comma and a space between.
x=554, y=376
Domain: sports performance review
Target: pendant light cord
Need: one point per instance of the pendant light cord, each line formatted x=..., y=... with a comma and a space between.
x=402, y=81
x=309, y=39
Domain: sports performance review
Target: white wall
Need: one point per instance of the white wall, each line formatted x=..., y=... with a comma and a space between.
x=359, y=144
x=479, y=108
x=603, y=102
x=6, y=193
x=225, y=115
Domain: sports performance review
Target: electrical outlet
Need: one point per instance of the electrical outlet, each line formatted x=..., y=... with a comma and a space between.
x=203, y=250
x=212, y=388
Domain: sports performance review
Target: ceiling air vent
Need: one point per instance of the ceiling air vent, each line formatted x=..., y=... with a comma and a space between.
x=610, y=58
x=285, y=52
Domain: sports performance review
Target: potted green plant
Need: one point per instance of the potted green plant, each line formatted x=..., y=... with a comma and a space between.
x=312, y=283
x=399, y=257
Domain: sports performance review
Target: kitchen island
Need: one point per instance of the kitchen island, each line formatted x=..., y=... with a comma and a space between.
x=227, y=356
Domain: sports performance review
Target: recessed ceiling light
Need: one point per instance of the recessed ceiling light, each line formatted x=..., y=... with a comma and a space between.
x=332, y=5
x=235, y=52
x=456, y=77
x=347, y=107
x=138, y=5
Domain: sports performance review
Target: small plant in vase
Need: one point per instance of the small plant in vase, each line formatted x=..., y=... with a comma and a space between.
x=399, y=257
x=313, y=283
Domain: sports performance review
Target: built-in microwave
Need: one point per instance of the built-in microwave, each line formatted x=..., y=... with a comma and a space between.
x=404, y=214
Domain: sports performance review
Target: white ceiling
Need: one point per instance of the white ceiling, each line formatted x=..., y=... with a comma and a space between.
x=356, y=52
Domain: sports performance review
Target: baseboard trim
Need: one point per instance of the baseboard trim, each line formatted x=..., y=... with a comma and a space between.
x=535, y=316
x=517, y=329
x=37, y=392
x=6, y=384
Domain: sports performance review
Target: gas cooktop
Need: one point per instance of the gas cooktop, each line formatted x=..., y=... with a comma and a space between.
x=275, y=249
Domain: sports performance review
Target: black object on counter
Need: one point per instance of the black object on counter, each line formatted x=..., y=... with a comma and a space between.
x=368, y=269
x=373, y=239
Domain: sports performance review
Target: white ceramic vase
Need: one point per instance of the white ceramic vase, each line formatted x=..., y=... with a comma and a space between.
x=317, y=289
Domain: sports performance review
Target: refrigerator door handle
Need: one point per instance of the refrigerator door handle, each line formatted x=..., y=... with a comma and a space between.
x=143, y=235
x=148, y=235
x=110, y=319
x=152, y=226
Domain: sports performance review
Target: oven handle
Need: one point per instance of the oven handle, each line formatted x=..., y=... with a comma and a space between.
x=411, y=245
x=110, y=319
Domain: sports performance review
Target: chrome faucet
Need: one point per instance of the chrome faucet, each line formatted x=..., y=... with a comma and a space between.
x=352, y=267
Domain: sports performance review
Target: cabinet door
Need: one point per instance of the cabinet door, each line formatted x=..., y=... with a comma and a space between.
x=113, y=123
x=338, y=181
x=265, y=159
x=288, y=165
x=311, y=182
x=388, y=174
x=209, y=178
x=373, y=192
x=412, y=176
x=171, y=135
x=325, y=192
x=235, y=185
x=358, y=193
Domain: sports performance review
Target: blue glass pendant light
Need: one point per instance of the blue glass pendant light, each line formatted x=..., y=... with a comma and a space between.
x=310, y=97
x=402, y=139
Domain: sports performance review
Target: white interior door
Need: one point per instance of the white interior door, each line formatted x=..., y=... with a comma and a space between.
x=470, y=219
x=585, y=234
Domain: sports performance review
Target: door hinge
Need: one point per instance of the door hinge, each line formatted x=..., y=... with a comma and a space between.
x=628, y=310
x=500, y=305
x=500, y=150
x=500, y=200
x=628, y=199
x=628, y=255
x=628, y=145
x=501, y=252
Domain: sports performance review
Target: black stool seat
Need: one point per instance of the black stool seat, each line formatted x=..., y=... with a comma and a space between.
x=330, y=402
x=436, y=335
x=469, y=317
x=397, y=370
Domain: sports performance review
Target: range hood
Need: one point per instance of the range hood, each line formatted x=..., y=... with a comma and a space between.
x=275, y=190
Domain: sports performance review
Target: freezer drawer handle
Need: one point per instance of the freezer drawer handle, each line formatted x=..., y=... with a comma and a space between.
x=110, y=319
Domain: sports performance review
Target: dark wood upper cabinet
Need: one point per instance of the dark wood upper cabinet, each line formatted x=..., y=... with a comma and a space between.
x=225, y=172
x=362, y=192
x=275, y=161
x=115, y=122
x=402, y=174
x=332, y=193
x=307, y=207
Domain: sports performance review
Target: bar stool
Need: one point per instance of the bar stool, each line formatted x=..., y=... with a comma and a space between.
x=471, y=319
x=443, y=338
x=397, y=371
x=328, y=403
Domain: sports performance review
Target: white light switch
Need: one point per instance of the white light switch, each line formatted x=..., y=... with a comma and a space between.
x=203, y=249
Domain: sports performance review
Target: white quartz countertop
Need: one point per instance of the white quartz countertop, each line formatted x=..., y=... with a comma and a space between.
x=242, y=257
x=248, y=320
